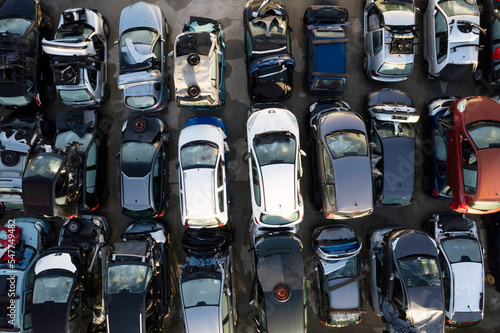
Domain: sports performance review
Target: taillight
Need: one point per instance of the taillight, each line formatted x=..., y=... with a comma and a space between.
x=330, y=216
x=256, y=221
x=94, y=208
x=158, y=215
x=462, y=208
x=496, y=54
x=435, y=192
x=71, y=216
x=38, y=100
x=220, y=224
x=374, y=73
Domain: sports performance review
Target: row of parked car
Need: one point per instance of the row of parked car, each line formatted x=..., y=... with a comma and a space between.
x=79, y=282
x=458, y=35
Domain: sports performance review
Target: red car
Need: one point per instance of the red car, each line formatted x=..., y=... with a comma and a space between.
x=473, y=149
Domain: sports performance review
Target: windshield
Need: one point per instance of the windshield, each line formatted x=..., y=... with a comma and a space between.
x=388, y=130
x=458, y=7
x=127, y=278
x=17, y=26
x=388, y=68
x=460, y=249
x=420, y=271
x=279, y=219
x=388, y=5
x=137, y=158
x=79, y=95
x=276, y=147
x=199, y=155
x=201, y=292
x=347, y=143
x=43, y=165
x=484, y=134
x=82, y=33
x=484, y=205
x=52, y=289
x=343, y=269
x=139, y=37
x=140, y=102
x=17, y=100
x=329, y=84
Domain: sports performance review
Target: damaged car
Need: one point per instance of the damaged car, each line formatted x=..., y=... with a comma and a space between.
x=142, y=52
x=78, y=57
x=268, y=48
x=199, y=65
x=137, y=281
x=391, y=126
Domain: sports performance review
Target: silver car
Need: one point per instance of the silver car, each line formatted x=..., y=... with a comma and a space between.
x=142, y=52
x=389, y=30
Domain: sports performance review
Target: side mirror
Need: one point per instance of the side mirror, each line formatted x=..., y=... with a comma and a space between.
x=171, y=54
x=391, y=277
x=177, y=165
x=117, y=155
x=303, y=153
x=257, y=325
x=115, y=42
x=246, y=157
x=373, y=145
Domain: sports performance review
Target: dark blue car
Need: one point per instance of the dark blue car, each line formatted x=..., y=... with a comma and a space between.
x=325, y=29
x=268, y=56
x=437, y=122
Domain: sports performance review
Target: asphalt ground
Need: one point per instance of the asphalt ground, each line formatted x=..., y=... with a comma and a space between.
x=230, y=13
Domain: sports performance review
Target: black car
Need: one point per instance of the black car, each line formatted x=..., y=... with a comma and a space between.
x=390, y=124
x=23, y=69
x=20, y=132
x=488, y=70
x=406, y=283
x=138, y=295
x=83, y=127
x=279, y=292
x=268, y=56
x=143, y=164
x=52, y=182
x=206, y=282
x=68, y=288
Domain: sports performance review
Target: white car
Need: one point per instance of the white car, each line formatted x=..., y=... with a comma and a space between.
x=275, y=168
x=78, y=57
x=203, y=180
x=462, y=264
x=451, y=39
x=389, y=30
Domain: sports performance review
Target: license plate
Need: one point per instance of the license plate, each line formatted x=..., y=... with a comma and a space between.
x=400, y=117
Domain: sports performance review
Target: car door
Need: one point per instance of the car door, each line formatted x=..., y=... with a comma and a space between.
x=221, y=188
x=437, y=41
x=255, y=180
x=328, y=180
x=374, y=34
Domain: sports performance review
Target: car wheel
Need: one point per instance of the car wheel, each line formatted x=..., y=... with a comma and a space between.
x=105, y=26
x=365, y=63
x=426, y=184
x=480, y=6
x=490, y=279
x=73, y=226
x=50, y=92
x=9, y=158
x=478, y=74
x=425, y=67
x=49, y=238
x=48, y=23
x=48, y=129
x=107, y=94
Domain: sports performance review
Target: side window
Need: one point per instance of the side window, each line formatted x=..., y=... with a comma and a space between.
x=446, y=280
x=248, y=41
x=469, y=165
x=27, y=310
x=255, y=181
x=398, y=291
x=441, y=37
x=373, y=19
x=214, y=69
x=327, y=163
x=220, y=183
x=225, y=313
x=157, y=184
x=92, y=78
x=377, y=42
x=91, y=169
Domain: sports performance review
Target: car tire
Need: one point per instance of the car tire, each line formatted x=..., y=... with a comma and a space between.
x=426, y=184
x=107, y=94
x=425, y=67
x=105, y=27
x=478, y=74
x=73, y=227
x=49, y=239
x=365, y=63
x=50, y=91
x=48, y=23
x=490, y=279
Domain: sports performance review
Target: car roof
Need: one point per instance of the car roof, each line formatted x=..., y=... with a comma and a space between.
x=278, y=183
x=323, y=54
x=353, y=183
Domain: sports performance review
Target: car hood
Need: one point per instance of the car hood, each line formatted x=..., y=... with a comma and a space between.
x=51, y=318
x=135, y=192
x=279, y=187
x=202, y=319
x=199, y=192
x=354, y=183
x=468, y=283
x=22, y=8
x=426, y=308
x=398, y=17
x=124, y=311
x=140, y=14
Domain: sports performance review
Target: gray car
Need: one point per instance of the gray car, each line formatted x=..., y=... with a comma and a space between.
x=35, y=236
x=342, y=157
x=142, y=57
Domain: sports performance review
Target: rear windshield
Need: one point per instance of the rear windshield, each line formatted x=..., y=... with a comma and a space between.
x=458, y=7
x=201, y=292
x=43, y=165
x=347, y=143
x=461, y=250
x=137, y=158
